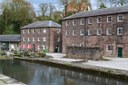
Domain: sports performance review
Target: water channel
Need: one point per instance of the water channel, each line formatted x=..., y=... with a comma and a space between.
x=38, y=74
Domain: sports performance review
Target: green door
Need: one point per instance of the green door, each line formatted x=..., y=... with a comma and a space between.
x=120, y=54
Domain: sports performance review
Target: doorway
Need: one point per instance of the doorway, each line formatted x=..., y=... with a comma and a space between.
x=120, y=52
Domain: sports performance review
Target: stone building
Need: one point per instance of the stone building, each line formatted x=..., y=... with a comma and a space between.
x=10, y=42
x=103, y=28
x=41, y=35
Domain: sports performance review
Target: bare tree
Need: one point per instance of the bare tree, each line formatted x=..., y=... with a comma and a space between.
x=44, y=8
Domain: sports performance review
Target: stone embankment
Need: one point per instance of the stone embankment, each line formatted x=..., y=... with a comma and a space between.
x=81, y=67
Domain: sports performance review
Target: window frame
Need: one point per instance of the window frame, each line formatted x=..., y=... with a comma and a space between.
x=67, y=33
x=99, y=33
x=107, y=32
x=109, y=49
x=82, y=32
x=118, y=17
x=74, y=22
x=82, y=21
x=74, y=32
x=120, y=28
x=108, y=19
x=90, y=20
x=44, y=39
x=98, y=20
x=89, y=32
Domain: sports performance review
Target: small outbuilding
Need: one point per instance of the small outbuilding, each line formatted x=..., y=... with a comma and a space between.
x=10, y=42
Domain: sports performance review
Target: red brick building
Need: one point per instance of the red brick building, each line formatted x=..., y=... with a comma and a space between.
x=41, y=35
x=103, y=28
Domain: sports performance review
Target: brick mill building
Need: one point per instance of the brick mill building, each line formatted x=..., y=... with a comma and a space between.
x=41, y=35
x=104, y=28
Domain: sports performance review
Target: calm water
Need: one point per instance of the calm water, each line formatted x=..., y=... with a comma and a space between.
x=37, y=74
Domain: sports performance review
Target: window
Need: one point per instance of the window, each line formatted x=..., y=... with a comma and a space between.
x=58, y=30
x=33, y=39
x=119, y=31
x=99, y=31
x=73, y=45
x=89, y=32
x=67, y=23
x=23, y=39
x=99, y=19
x=28, y=39
x=28, y=31
x=109, y=47
x=74, y=22
x=23, y=31
x=44, y=47
x=44, y=39
x=109, y=31
x=82, y=44
x=82, y=32
x=74, y=33
x=58, y=39
x=120, y=18
x=109, y=18
x=67, y=33
x=33, y=31
x=90, y=20
x=81, y=21
x=38, y=39
x=44, y=30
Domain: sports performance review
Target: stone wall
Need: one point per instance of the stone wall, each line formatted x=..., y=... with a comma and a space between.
x=85, y=53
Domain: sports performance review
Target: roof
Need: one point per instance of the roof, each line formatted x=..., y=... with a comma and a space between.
x=10, y=38
x=105, y=11
x=42, y=24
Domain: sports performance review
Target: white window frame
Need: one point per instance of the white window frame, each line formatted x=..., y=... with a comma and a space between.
x=119, y=18
x=119, y=28
x=44, y=47
x=74, y=32
x=82, y=21
x=58, y=30
x=88, y=31
x=44, y=30
x=28, y=31
x=98, y=20
x=98, y=33
x=81, y=44
x=28, y=39
x=38, y=38
x=107, y=32
x=108, y=18
x=67, y=33
x=73, y=45
x=23, y=31
x=74, y=22
x=58, y=39
x=23, y=39
x=108, y=46
x=33, y=39
x=82, y=32
x=90, y=20
x=44, y=39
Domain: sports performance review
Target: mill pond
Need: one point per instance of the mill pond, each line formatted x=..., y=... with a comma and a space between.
x=38, y=74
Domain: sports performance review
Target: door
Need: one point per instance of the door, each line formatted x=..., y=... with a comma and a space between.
x=120, y=54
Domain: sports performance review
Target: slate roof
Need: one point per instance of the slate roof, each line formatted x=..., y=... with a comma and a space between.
x=42, y=24
x=10, y=38
x=112, y=10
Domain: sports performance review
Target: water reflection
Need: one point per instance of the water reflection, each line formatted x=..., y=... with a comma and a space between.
x=36, y=74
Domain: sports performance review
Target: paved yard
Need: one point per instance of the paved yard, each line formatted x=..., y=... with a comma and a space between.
x=115, y=63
